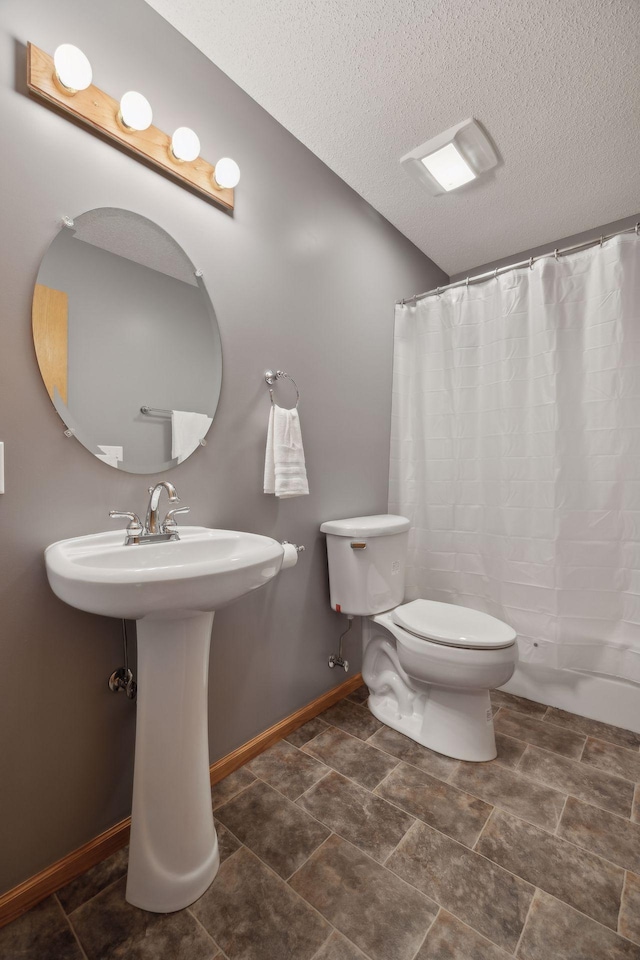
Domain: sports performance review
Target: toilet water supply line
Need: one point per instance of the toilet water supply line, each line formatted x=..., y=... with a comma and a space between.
x=339, y=661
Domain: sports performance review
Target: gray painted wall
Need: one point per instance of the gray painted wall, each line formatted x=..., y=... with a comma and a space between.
x=303, y=278
x=604, y=230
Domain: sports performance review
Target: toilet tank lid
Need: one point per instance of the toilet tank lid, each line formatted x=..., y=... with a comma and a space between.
x=382, y=525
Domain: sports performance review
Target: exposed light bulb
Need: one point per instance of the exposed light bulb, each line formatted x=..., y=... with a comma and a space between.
x=226, y=173
x=72, y=69
x=135, y=111
x=185, y=144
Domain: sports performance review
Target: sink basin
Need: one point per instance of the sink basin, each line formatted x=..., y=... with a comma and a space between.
x=172, y=589
x=202, y=571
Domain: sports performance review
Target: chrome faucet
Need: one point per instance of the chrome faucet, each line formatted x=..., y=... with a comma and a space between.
x=152, y=531
x=151, y=521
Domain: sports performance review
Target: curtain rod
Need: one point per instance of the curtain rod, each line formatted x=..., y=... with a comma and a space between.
x=491, y=274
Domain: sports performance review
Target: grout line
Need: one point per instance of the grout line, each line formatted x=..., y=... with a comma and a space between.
x=324, y=943
x=202, y=927
x=586, y=916
x=97, y=894
x=557, y=827
x=71, y=926
x=624, y=887
x=389, y=855
x=584, y=747
x=524, y=925
x=483, y=828
x=234, y=795
x=424, y=939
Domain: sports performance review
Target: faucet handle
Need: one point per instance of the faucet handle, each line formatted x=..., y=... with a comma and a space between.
x=134, y=527
x=169, y=523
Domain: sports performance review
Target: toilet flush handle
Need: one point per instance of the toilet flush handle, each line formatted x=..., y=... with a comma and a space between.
x=358, y=545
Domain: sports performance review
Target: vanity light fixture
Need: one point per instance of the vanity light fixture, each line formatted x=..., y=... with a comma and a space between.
x=226, y=173
x=65, y=81
x=72, y=70
x=185, y=144
x=455, y=157
x=135, y=111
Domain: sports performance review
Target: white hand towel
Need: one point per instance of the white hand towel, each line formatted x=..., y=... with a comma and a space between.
x=285, y=473
x=187, y=430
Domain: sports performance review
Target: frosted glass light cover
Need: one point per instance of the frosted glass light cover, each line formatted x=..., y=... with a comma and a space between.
x=72, y=68
x=135, y=111
x=185, y=144
x=449, y=167
x=227, y=172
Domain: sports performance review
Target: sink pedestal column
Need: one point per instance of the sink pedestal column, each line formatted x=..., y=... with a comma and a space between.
x=173, y=854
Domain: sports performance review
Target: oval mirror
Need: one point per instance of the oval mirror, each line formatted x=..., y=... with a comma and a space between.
x=127, y=341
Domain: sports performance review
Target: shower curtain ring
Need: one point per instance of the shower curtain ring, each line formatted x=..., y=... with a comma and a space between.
x=638, y=229
x=555, y=253
x=495, y=274
x=438, y=292
x=531, y=262
x=601, y=241
x=466, y=283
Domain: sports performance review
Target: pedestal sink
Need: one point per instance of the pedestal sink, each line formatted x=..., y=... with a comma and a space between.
x=172, y=589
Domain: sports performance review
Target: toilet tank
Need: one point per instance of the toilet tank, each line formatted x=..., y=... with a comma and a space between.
x=367, y=560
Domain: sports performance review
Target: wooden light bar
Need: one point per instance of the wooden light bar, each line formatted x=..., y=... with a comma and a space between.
x=98, y=111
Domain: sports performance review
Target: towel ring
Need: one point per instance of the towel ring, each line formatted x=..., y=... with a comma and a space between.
x=271, y=377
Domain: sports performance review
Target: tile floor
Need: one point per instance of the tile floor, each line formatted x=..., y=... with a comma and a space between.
x=348, y=841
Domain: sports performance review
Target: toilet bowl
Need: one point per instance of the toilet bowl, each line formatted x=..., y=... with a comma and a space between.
x=429, y=666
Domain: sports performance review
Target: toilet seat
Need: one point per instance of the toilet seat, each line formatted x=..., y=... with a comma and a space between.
x=453, y=625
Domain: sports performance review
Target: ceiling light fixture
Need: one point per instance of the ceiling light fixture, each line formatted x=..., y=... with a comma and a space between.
x=455, y=157
x=72, y=70
x=135, y=111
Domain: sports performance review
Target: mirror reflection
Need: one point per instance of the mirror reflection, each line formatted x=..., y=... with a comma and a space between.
x=127, y=341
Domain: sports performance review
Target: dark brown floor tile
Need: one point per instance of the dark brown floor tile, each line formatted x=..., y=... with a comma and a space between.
x=227, y=843
x=351, y=756
x=253, y=915
x=360, y=694
x=573, y=875
x=620, y=761
x=278, y=831
x=372, y=824
x=109, y=928
x=635, y=812
x=630, y=910
x=338, y=947
x=377, y=911
x=478, y=892
x=555, y=931
x=579, y=780
x=509, y=751
x=414, y=753
x=612, y=837
x=41, y=934
x=450, y=939
x=94, y=880
x=287, y=769
x=528, y=707
x=306, y=732
x=511, y=791
x=545, y=735
x=230, y=786
x=353, y=718
x=446, y=808
x=593, y=728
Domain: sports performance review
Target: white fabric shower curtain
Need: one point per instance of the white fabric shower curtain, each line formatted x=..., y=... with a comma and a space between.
x=515, y=452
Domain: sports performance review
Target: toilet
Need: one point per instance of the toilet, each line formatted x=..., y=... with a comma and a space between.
x=429, y=666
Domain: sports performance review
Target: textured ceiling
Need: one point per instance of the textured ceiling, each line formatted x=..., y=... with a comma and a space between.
x=554, y=82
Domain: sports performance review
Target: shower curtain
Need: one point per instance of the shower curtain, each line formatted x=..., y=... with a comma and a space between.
x=515, y=452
